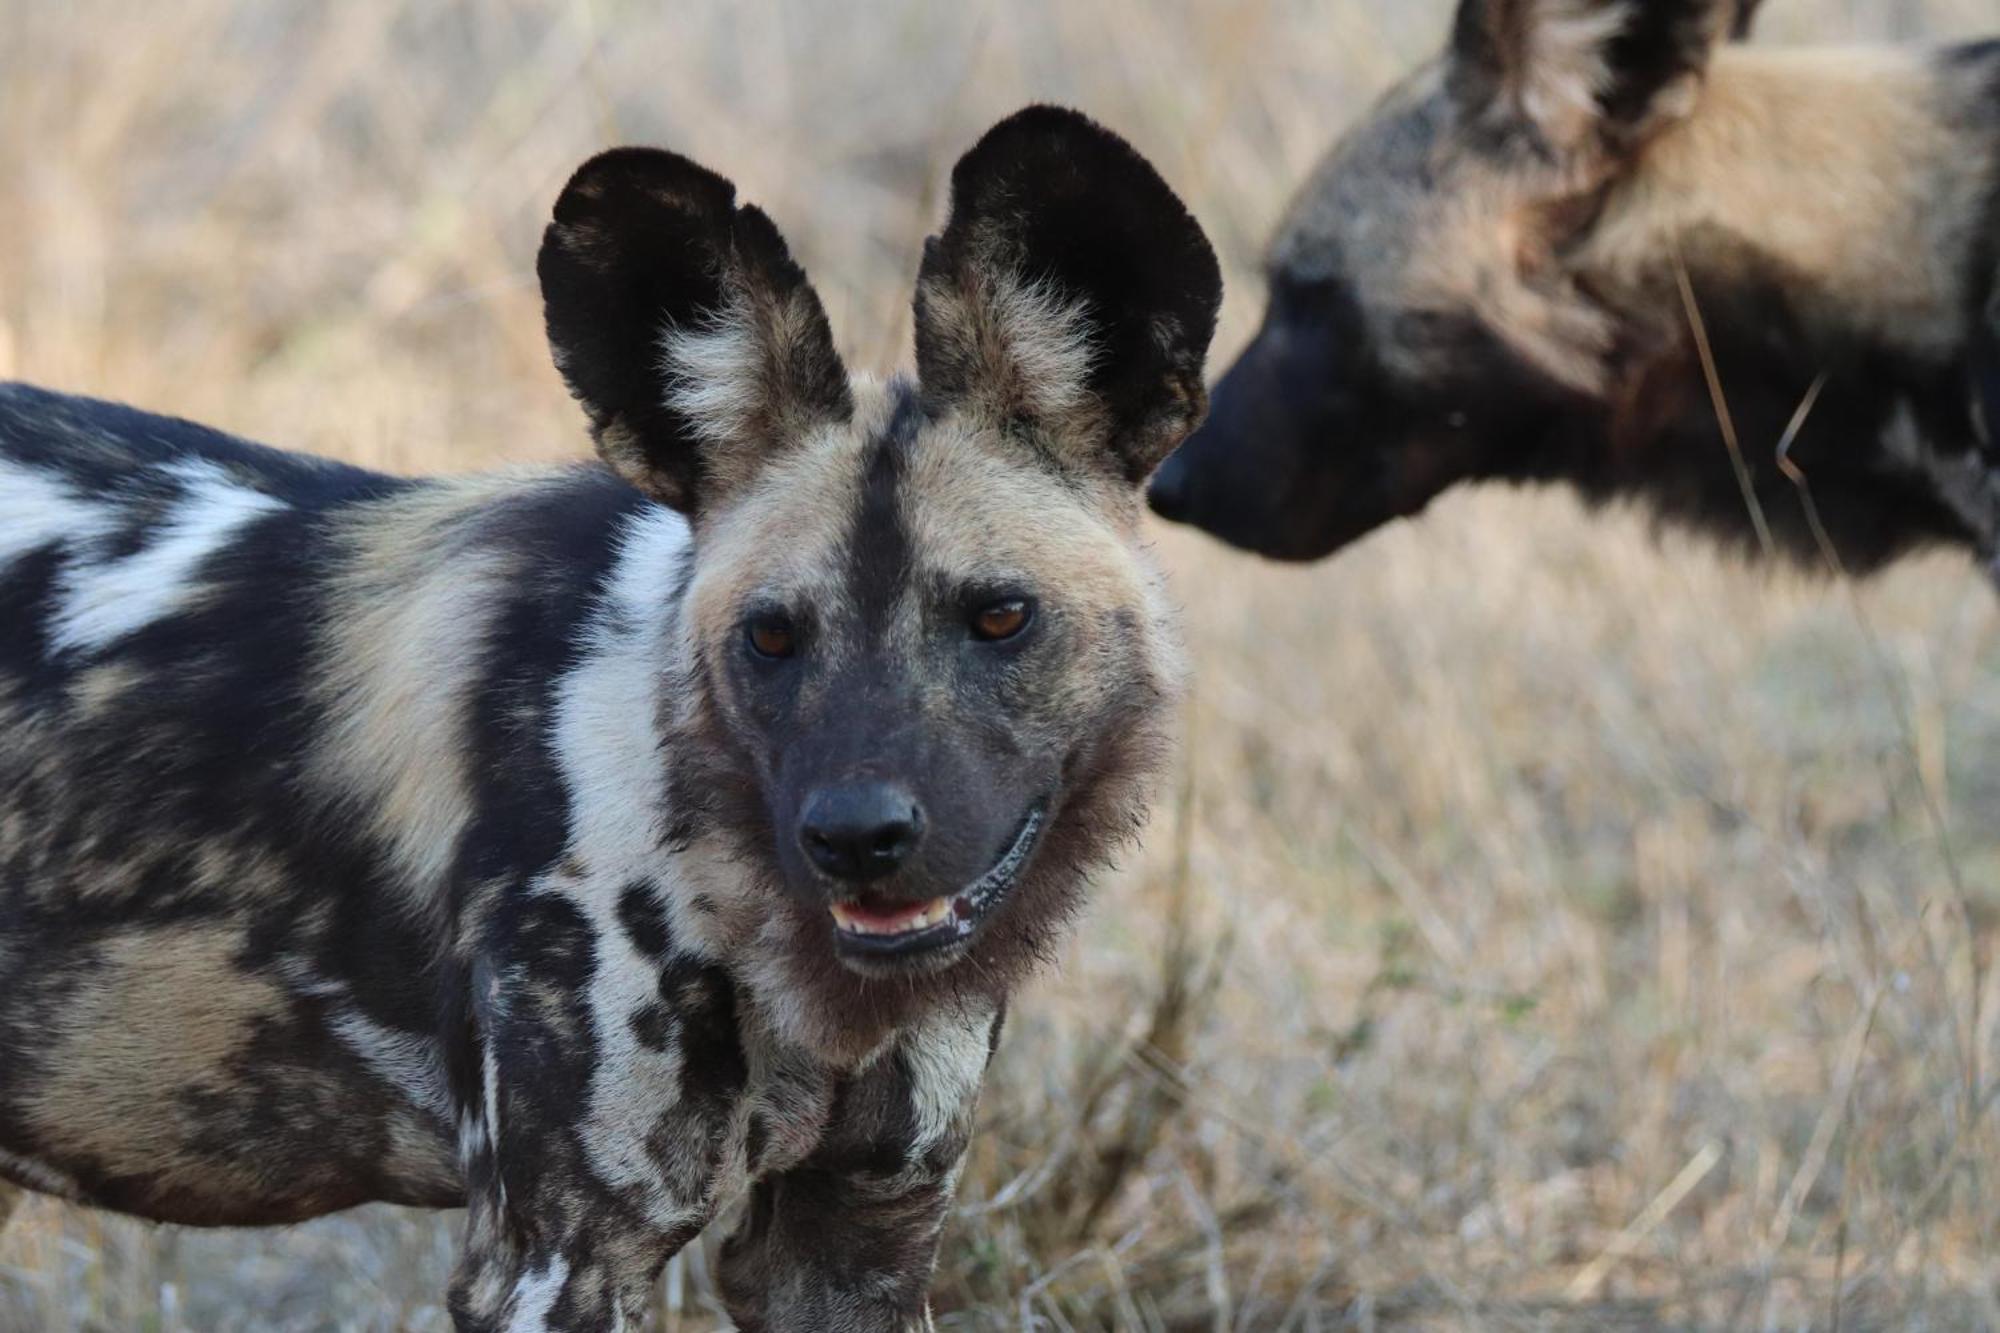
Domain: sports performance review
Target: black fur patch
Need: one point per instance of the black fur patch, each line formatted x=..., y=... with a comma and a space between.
x=654, y=1027
x=644, y=922
x=704, y=999
x=96, y=445
x=878, y=545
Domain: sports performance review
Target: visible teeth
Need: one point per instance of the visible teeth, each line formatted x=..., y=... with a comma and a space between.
x=854, y=918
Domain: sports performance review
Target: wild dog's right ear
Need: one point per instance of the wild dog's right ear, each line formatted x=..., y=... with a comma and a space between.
x=682, y=324
x=1071, y=295
x=1587, y=79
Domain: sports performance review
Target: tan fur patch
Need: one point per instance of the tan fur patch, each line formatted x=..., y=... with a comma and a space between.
x=1486, y=256
x=976, y=503
x=1027, y=351
x=1838, y=164
x=730, y=377
x=159, y=1015
x=406, y=620
x=976, y=507
x=1432, y=227
x=1833, y=161
x=95, y=690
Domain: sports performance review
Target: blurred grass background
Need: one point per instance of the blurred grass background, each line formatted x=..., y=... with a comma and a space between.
x=1551, y=926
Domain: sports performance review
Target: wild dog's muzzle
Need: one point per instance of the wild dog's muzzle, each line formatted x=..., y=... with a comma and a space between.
x=868, y=927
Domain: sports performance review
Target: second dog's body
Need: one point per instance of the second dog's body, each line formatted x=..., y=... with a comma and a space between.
x=1549, y=254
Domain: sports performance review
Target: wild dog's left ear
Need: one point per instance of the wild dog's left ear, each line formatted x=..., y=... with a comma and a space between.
x=683, y=326
x=1588, y=79
x=1071, y=296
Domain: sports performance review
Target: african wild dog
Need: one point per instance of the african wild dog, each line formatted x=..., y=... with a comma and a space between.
x=1484, y=280
x=591, y=845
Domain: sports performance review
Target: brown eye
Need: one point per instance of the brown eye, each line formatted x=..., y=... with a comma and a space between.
x=1001, y=620
x=771, y=637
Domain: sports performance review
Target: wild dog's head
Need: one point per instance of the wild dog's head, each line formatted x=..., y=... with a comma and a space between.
x=1422, y=327
x=928, y=668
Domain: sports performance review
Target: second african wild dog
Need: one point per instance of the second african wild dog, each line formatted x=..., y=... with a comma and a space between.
x=588, y=846
x=1484, y=280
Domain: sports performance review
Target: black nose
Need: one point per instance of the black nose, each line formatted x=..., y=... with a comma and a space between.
x=1168, y=491
x=860, y=831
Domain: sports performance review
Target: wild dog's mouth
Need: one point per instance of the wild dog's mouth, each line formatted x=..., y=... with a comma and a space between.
x=866, y=927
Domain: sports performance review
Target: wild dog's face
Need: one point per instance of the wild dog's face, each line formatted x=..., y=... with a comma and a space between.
x=1422, y=328
x=925, y=666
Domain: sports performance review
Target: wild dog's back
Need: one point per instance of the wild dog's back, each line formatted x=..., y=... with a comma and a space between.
x=234, y=770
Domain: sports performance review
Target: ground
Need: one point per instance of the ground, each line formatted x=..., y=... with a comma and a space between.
x=1550, y=925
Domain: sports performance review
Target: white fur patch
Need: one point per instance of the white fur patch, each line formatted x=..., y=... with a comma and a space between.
x=1048, y=341
x=407, y=1061
x=607, y=746
x=947, y=1060
x=536, y=1296
x=714, y=372
x=105, y=601
x=1564, y=66
x=605, y=734
x=489, y=1075
x=472, y=1139
x=38, y=510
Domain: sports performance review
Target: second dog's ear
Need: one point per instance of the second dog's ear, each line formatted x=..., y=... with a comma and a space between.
x=681, y=323
x=1071, y=296
x=1588, y=79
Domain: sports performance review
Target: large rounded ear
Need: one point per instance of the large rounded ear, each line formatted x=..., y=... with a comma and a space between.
x=1585, y=80
x=1071, y=296
x=681, y=323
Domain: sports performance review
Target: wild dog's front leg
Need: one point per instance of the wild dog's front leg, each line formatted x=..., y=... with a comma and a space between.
x=609, y=1082
x=10, y=1199
x=580, y=1266
x=846, y=1241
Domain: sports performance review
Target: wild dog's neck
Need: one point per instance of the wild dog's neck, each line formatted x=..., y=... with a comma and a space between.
x=1839, y=224
x=1848, y=174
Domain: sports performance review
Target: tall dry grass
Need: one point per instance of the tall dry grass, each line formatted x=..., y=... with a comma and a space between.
x=1551, y=927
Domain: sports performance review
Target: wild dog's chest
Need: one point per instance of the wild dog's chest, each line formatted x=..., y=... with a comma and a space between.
x=669, y=1084
x=699, y=1109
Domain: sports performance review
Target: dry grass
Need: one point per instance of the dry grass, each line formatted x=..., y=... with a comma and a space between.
x=1556, y=929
